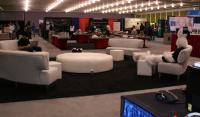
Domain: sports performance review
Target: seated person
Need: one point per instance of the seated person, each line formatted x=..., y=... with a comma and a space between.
x=24, y=44
x=181, y=44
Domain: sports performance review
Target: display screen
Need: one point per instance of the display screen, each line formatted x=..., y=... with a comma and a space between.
x=130, y=109
x=180, y=22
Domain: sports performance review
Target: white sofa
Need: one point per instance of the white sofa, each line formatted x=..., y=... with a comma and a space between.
x=9, y=45
x=128, y=45
x=28, y=67
x=13, y=44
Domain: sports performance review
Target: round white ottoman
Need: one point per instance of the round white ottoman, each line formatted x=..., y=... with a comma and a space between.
x=85, y=62
x=118, y=55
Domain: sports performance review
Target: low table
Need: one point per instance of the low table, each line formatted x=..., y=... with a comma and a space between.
x=85, y=62
x=143, y=67
x=139, y=55
x=61, y=43
x=100, y=43
x=118, y=55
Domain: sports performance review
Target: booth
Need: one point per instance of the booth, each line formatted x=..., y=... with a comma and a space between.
x=192, y=22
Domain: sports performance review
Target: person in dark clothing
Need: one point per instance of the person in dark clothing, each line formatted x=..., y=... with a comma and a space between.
x=174, y=55
x=91, y=28
x=28, y=29
x=24, y=44
x=142, y=27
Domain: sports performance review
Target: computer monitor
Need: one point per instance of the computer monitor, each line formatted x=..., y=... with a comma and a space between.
x=131, y=109
x=185, y=30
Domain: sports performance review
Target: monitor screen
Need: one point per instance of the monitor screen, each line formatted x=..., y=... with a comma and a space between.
x=197, y=64
x=130, y=109
x=185, y=30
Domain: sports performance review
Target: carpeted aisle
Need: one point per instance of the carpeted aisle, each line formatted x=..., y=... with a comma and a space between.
x=122, y=78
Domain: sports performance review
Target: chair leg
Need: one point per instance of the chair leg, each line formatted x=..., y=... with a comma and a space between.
x=159, y=75
x=16, y=85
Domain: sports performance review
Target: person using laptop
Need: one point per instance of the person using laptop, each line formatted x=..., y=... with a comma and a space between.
x=25, y=45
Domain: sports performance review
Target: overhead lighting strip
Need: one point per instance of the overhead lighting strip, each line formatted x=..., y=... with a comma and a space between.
x=108, y=5
x=53, y=5
x=81, y=5
x=123, y=11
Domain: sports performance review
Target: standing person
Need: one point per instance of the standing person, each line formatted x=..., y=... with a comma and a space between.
x=33, y=28
x=11, y=30
x=17, y=29
x=28, y=29
x=146, y=29
x=151, y=32
x=91, y=28
x=51, y=32
x=141, y=27
x=138, y=28
x=108, y=30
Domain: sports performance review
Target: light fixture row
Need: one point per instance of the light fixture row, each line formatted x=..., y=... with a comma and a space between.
x=53, y=5
x=120, y=3
x=81, y=5
x=131, y=10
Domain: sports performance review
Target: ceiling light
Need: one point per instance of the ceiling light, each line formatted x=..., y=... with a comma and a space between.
x=129, y=1
x=142, y=4
x=146, y=9
x=158, y=7
x=83, y=4
x=156, y=2
x=53, y=5
x=26, y=5
x=136, y=6
x=181, y=4
x=172, y=5
x=165, y=6
x=135, y=10
x=151, y=8
x=149, y=3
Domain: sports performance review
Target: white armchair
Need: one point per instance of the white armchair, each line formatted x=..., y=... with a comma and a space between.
x=176, y=68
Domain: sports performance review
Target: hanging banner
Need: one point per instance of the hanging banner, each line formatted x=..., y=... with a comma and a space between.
x=193, y=13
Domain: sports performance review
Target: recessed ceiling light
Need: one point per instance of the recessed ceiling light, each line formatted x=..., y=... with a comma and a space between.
x=181, y=4
x=172, y=5
x=26, y=5
x=165, y=6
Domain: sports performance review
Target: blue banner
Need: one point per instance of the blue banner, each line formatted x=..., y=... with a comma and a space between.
x=193, y=13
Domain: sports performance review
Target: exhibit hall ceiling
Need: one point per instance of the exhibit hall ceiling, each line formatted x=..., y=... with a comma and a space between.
x=89, y=6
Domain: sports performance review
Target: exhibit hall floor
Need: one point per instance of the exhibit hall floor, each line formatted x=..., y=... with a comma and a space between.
x=106, y=105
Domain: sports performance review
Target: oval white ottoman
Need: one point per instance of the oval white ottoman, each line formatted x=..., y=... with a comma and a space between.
x=85, y=62
x=118, y=55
